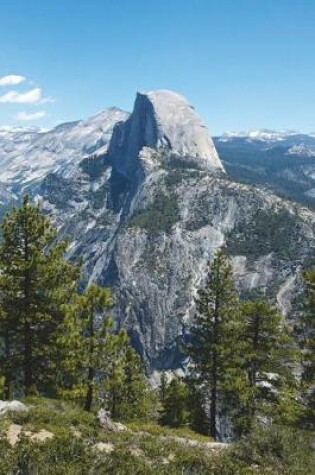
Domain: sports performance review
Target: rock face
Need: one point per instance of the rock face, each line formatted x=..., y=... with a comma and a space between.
x=27, y=156
x=147, y=206
x=164, y=121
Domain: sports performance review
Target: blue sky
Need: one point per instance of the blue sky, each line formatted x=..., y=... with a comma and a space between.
x=243, y=64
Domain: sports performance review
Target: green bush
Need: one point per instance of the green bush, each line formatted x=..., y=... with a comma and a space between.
x=55, y=416
x=283, y=450
x=145, y=449
x=58, y=456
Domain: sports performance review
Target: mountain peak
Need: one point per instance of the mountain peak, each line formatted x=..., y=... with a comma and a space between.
x=163, y=119
x=180, y=128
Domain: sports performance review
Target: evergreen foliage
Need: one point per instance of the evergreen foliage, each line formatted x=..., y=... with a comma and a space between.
x=216, y=349
x=129, y=396
x=160, y=216
x=53, y=339
x=88, y=344
x=175, y=411
x=307, y=345
x=267, y=231
x=243, y=355
x=198, y=417
x=268, y=357
x=35, y=280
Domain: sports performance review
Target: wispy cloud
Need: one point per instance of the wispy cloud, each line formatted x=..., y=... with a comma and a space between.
x=29, y=97
x=28, y=116
x=46, y=100
x=11, y=80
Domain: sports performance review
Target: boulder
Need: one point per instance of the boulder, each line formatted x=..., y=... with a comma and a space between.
x=12, y=406
x=107, y=424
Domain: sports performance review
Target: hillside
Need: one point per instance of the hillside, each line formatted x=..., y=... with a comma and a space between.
x=282, y=162
x=145, y=202
x=53, y=437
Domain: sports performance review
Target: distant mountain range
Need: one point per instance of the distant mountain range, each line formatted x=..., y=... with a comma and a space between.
x=281, y=161
x=146, y=198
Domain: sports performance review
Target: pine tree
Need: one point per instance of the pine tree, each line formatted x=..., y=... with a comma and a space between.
x=215, y=347
x=128, y=393
x=307, y=346
x=268, y=357
x=88, y=344
x=138, y=395
x=198, y=418
x=175, y=411
x=35, y=278
x=113, y=388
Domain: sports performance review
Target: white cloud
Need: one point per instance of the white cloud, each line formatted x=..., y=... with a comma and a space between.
x=11, y=80
x=47, y=100
x=30, y=115
x=29, y=97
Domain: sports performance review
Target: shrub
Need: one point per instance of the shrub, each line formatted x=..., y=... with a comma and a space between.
x=285, y=450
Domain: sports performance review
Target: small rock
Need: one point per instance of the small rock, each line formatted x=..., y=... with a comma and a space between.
x=107, y=423
x=104, y=447
x=13, y=433
x=136, y=451
x=76, y=432
x=120, y=427
x=216, y=445
x=42, y=435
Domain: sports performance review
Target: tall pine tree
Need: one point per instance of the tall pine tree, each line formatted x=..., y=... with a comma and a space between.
x=307, y=346
x=215, y=347
x=269, y=354
x=34, y=280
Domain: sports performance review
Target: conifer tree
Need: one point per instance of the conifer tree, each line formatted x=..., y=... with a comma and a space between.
x=113, y=388
x=128, y=392
x=34, y=280
x=268, y=357
x=307, y=346
x=88, y=345
x=198, y=418
x=216, y=349
x=175, y=411
x=138, y=395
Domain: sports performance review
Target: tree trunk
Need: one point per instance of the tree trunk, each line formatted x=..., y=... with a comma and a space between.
x=213, y=405
x=28, y=372
x=8, y=369
x=214, y=386
x=89, y=392
x=90, y=378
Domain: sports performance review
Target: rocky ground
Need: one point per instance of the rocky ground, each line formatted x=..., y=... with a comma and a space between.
x=52, y=437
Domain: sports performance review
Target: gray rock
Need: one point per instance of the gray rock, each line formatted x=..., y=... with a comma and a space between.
x=12, y=406
x=162, y=120
x=107, y=424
